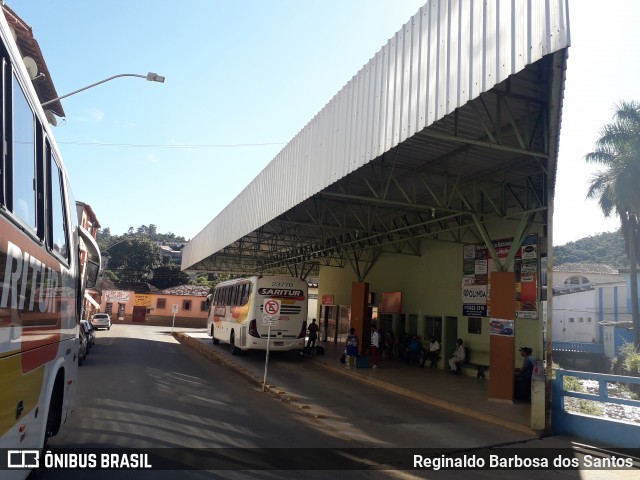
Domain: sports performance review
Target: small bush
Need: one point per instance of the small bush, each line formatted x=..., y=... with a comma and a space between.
x=585, y=407
x=630, y=359
x=573, y=384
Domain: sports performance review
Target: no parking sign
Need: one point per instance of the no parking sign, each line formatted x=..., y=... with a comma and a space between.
x=270, y=311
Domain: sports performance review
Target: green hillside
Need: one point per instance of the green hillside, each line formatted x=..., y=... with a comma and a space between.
x=607, y=248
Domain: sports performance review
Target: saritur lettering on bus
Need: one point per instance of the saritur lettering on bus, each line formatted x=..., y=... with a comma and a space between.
x=21, y=270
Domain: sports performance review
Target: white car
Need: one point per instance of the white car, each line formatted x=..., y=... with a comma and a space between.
x=101, y=320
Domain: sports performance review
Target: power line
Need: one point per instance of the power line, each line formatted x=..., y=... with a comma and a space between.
x=160, y=145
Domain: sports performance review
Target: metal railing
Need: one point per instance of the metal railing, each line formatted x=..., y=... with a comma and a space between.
x=602, y=429
x=578, y=347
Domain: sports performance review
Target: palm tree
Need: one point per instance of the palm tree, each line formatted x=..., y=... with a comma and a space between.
x=617, y=186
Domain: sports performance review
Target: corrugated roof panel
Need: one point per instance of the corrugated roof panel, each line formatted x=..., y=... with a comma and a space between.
x=504, y=40
x=519, y=31
x=448, y=53
x=476, y=63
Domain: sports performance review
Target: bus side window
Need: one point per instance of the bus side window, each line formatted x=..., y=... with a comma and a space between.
x=243, y=295
x=236, y=295
x=23, y=158
x=57, y=237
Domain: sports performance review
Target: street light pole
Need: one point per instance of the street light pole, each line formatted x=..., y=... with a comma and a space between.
x=151, y=77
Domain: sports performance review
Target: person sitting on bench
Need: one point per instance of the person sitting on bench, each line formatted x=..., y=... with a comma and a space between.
x=457, y=359
x=431, y=353
x=523, y=375
x=413, y=350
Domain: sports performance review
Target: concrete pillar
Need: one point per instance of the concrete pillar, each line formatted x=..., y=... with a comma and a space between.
x=360, y=320
x=538, y=391
x=502, y=348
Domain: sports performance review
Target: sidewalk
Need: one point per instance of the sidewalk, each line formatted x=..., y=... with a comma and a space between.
x=462, y=394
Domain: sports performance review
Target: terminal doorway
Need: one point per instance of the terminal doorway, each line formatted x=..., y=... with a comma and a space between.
x=336, y=321
x=450, y=335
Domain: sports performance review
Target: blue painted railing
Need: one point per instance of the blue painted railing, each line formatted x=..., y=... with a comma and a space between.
x=578, y=347
x=607, y=431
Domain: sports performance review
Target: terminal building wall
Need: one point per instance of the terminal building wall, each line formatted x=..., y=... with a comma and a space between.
x=431, y=286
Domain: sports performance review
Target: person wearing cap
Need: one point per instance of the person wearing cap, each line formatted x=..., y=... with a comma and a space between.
x=523, y=375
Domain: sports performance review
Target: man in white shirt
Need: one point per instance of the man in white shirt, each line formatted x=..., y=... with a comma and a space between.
x=375, y=344
x=431, y=353
x=458, y=357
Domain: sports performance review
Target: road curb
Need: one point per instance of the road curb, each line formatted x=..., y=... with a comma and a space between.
x=273, y=390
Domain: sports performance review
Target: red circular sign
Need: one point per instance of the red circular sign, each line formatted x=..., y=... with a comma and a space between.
x=271, y=307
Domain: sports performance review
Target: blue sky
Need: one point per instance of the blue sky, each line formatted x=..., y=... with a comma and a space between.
x=243, y=77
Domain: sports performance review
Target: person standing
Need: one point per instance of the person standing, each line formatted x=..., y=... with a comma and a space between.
x=352, y=348
x=457, y=359
x=313, y=334
x=375, y=344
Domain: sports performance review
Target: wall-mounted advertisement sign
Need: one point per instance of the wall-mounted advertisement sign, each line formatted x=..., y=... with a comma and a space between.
x=328, y=300
x=391, y=302
x=477, y=268
x=142, y=300
x=474, y=300
x=117, y=296
x=505, y=328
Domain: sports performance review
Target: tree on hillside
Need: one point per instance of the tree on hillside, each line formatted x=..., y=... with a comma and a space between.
x=169, y=275
x=607, y=248
x=134, y=259
x=616, y=186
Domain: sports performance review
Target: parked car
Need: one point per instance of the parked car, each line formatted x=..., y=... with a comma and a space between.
x=82, y=351
x=101, y=320
x=90, y=333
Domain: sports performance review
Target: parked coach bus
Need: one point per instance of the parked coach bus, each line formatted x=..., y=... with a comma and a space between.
x=41, y=284
x=236, y=313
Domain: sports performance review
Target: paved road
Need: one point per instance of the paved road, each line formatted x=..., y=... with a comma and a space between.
x=366, y=414
x=141, y=389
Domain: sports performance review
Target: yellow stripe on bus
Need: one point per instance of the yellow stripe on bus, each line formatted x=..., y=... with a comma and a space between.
x=15, y=387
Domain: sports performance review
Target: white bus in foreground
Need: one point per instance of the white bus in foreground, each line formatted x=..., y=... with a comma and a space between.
x=236, y=313
x=41, y=276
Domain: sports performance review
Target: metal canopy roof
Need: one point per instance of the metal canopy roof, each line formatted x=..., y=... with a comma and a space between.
x=451, y=126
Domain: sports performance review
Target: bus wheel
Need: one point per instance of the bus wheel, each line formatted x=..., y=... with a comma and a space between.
x=214, y=339
x=232, y=342
x=54, y=416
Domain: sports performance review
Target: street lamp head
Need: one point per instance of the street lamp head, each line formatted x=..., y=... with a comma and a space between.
x=154, y=77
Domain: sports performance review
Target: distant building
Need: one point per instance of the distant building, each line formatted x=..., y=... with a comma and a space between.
x=87, y=219
x=29, y=48
x=585, y=296
x=143, y=303
x=168, y=251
